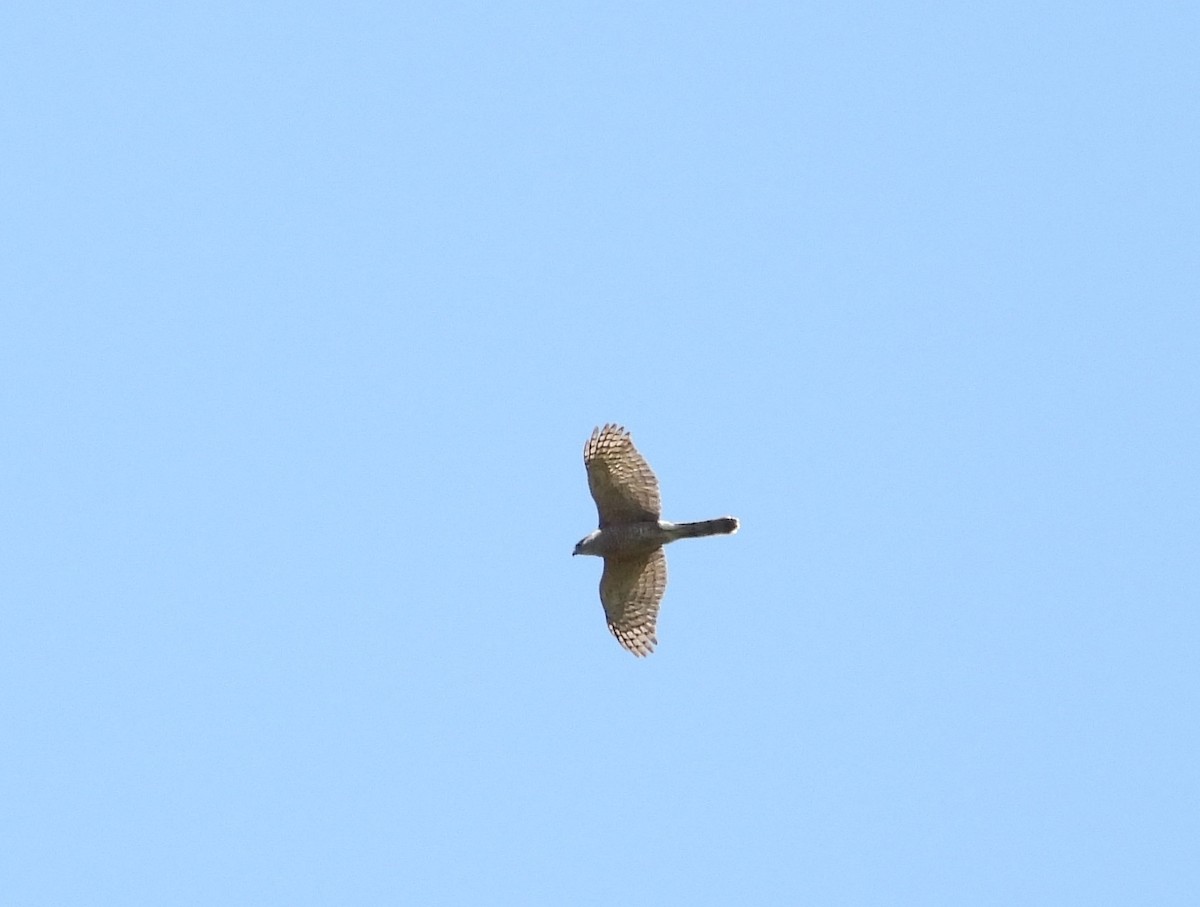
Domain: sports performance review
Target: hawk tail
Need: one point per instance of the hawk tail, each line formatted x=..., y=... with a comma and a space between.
x=726, y=525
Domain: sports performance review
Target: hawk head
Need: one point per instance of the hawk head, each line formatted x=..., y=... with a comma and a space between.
x=586, y=545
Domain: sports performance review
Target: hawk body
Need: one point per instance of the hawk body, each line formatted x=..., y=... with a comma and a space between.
x=631, y=536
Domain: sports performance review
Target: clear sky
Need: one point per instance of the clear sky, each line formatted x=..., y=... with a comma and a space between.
x=307, y=309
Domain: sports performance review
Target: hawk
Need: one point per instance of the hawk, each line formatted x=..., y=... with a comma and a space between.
x=631, y=536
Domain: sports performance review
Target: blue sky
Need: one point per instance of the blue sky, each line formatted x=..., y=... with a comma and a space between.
x=307, y=310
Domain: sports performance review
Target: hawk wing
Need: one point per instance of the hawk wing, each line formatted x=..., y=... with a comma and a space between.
x=621, y=481
x=630, y=590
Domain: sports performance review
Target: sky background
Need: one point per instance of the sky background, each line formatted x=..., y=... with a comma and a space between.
x=307, y=309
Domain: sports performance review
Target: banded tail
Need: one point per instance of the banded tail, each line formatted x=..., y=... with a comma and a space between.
x=726, y=525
